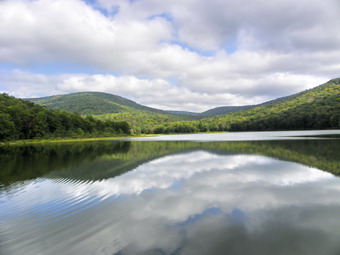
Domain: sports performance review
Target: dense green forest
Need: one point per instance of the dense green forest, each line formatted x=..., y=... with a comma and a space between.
x=21, y=119
x=141, y=122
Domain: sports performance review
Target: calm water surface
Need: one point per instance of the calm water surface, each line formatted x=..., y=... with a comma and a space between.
x=267, y=196
x=244, y=136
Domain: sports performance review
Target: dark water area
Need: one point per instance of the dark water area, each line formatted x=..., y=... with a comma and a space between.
x=171, y=197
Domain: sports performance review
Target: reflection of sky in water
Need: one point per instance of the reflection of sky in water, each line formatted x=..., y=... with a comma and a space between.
x=194, y=203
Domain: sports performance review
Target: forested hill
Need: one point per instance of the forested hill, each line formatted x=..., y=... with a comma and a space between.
x=99, y=103
x=108, y=107
x=21, y=119
x=92, y=103
x=317, y=108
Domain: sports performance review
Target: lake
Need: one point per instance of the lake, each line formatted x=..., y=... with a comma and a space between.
x=222, y=193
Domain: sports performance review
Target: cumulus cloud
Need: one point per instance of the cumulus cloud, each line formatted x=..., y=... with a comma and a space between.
x=189, y=55
x=278, y=25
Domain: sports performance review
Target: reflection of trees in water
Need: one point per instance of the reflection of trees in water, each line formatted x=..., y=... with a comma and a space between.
x=29, y=162
x=101, y=160
x=321, y=154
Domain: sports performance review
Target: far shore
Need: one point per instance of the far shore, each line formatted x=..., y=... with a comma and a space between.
x=121, y=137
x=69, y=140
x=88, y=139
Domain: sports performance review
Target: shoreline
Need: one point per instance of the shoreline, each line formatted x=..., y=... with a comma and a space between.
x=123, y=137
x=68, y=140
x=88, y=139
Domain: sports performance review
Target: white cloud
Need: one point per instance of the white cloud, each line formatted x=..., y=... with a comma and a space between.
x=212, y=25
x=158, y=93
x=258, y=50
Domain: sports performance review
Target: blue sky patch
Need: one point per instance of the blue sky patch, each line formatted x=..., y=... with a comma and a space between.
x=165, y=15
x=56, y=68
x=205, y=213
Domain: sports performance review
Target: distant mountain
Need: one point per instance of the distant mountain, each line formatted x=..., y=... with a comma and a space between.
x=184, y=113
x=106, y=106
x=99, y=103
x=225, y=110
x=212, y=112
x=222, y=110
x=92, y=103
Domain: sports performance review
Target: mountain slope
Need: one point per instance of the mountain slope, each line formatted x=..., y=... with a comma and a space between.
x=92, y=103
x=222, y=110
x=314, y=108
x=185, y=113
x=225, y=110
x=110, y=107
x=317, y=108
x=99, y=103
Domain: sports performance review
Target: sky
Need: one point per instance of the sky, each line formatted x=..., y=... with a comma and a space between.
x=188, y=55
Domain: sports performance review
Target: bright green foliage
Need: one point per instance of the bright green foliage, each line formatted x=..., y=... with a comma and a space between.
x=21, y=119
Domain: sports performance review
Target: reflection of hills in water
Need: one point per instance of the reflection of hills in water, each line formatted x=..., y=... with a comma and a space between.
x=102, y=160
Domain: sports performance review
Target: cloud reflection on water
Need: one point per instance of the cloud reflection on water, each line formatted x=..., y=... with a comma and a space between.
x=192, y=203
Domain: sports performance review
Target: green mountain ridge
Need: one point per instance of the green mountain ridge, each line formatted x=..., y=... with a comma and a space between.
x=100, y=103
x=109, y=107
x=221, y=110
x=225, y=110
x=183, y=113
x=316, y=108
x=92, y=103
